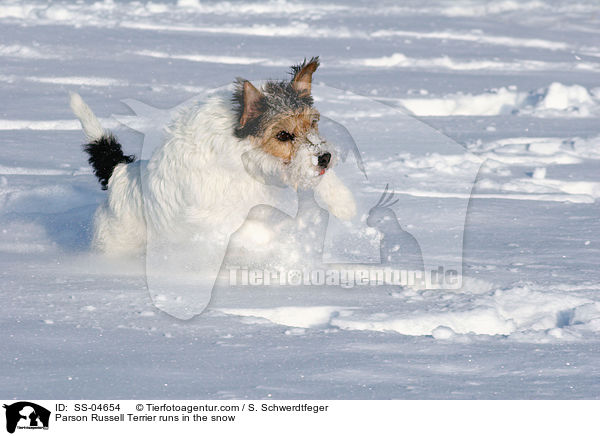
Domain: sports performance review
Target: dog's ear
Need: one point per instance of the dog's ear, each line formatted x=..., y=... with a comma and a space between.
x=250, y=104
x=302, y=75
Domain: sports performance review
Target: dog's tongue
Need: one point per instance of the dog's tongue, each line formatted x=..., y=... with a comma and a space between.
x=322, y=171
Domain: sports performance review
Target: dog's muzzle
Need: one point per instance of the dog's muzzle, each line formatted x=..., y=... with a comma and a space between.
x=324, y=159
x=321, y=158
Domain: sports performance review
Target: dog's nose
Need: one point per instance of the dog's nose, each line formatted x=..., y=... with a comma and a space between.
x=324, y=160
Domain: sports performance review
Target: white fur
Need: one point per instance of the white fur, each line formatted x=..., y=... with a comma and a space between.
x=90, y=124
x=200, y=183
x=336, y=196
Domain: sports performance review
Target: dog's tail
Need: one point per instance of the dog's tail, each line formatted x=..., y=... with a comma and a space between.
x=103, y=147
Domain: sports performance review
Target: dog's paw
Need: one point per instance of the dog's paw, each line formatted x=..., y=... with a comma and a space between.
x=338, y=198
x=344, y=206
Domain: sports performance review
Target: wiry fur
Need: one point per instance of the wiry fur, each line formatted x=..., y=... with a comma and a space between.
x=279, y=96
x=204, y=179
x=105, y=154
x=104, y=149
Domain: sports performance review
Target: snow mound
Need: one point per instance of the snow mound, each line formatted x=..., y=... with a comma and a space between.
x=445, y=62
x=529, y=312
x=24, y=52
x=535, y=185
x=557, y=100
x=496, y=102
x=293, y=316
x=475, y=36
x=513, y=168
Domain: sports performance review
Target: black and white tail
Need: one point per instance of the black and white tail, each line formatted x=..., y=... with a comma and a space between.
x=103, y=147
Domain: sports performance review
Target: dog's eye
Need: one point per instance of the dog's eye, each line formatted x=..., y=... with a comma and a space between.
x=284, y=136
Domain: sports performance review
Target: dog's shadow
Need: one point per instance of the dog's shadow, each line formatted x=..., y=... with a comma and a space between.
x=69, y=231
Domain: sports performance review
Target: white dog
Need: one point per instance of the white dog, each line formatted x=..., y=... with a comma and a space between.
x=214, y=166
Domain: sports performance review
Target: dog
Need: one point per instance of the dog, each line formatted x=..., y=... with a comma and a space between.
x=217, y=162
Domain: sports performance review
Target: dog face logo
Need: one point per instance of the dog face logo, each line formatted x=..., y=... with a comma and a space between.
x=26, y=415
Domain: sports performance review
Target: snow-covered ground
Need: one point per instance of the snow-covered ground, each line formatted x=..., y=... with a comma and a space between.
x=516, y=84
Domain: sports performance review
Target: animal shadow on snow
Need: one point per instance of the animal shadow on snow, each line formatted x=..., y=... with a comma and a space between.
x=69, y=231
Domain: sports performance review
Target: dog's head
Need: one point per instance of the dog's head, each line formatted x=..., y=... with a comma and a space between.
x=283, y=126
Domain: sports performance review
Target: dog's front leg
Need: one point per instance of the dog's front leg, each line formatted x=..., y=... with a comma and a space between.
x=336, y=196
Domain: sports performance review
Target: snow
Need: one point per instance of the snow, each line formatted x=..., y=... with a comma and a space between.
x=510, y=103
x=557, y=100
